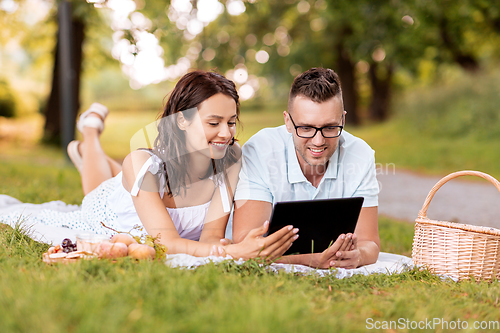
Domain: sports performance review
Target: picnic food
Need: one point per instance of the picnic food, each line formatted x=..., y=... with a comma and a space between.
x=141, y=251
x=58, y=255
x=53, y=257
x=89, y=245
x=89, y=242
x=54, y=249
x=110, y=250
x=68, y=245
x=123, y=238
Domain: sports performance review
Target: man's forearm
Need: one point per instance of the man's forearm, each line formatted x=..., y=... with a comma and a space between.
x=300, y=259
x=369, y=251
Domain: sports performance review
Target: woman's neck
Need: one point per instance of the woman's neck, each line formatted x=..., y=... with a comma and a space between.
x=198, y=165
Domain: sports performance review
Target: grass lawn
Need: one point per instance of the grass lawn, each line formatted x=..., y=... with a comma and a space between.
x=128, y=296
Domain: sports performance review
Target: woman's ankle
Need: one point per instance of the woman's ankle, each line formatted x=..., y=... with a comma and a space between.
x=90, y=132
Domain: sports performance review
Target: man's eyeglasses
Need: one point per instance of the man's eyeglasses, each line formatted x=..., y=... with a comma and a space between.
x=308, y=132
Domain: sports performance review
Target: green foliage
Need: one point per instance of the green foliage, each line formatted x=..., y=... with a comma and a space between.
x=108, y=86
x=445, y=128
x=467, y=108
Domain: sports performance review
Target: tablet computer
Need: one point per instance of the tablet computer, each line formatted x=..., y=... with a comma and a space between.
x=320, y=222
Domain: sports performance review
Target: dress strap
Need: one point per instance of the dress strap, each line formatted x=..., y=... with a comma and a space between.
x=153, y=165
x=226, y=205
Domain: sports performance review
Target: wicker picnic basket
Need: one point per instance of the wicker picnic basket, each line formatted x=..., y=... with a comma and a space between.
x=458, y=250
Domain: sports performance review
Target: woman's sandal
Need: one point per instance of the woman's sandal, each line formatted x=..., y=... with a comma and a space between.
x=86, y=121
x=94, y=122
x=74, y=154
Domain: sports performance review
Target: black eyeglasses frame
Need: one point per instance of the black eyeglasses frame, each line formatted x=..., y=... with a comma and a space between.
x=317, y=129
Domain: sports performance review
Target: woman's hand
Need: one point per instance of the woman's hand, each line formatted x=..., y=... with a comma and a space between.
x=254, y=245
x=226, y=241
x=220, y=251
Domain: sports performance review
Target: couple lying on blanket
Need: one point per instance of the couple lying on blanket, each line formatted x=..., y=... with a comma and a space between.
x=183, y=188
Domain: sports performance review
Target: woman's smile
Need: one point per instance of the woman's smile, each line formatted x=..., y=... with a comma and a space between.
x=219, y=145
x=213, y=127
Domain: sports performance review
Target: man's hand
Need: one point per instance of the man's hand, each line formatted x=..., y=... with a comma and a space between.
x=348, y=258
x=327, y=258
x=324, y=259
x=366, y=241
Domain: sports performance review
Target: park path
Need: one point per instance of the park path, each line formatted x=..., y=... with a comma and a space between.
x=403, y=193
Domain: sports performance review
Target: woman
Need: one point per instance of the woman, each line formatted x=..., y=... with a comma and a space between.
x=182, y=188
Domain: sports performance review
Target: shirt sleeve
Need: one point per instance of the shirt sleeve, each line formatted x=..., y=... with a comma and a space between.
x=254, y=178
x=368, y=187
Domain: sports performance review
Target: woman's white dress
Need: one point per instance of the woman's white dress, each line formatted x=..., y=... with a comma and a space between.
x=111, y=204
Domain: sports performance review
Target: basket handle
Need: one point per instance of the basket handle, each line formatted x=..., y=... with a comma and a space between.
x=423, y=211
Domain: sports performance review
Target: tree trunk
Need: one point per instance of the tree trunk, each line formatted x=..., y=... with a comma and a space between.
x=381, y=79
x=345, y=70
x=52, y=129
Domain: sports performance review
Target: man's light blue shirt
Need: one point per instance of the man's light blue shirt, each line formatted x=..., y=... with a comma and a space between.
x=271, y=170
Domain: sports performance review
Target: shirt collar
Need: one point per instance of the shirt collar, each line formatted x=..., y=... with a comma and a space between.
x=295, y=174
x=294, y=171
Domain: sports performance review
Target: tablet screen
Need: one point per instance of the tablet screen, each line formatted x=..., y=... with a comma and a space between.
x=320, y=222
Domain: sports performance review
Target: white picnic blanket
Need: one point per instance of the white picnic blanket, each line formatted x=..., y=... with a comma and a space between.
x=9, y=204
x=39, y=232
x=387, y=263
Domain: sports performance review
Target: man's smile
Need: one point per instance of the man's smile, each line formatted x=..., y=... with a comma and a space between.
x=317, y=152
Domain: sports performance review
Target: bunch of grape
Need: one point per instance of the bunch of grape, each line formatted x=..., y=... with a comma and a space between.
x=68, y=245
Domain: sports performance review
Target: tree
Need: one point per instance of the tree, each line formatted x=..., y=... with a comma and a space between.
x=83, y=15
x=334, y=34
x=300, y=34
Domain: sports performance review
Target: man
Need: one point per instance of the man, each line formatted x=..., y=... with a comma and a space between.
x=311, y=157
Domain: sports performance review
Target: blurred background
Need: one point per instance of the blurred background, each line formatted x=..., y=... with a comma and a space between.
x=421, y=79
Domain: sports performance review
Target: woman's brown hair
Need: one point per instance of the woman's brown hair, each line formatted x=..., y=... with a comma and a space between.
x=170, y=144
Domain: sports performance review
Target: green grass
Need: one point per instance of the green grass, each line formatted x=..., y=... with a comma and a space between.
x=39, y=175
x=429, y=155
x=253, y=120
x=129, y=296
x=120, y=127
x=395, y=236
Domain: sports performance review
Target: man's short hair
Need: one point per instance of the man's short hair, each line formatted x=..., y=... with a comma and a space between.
x=316, y=84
